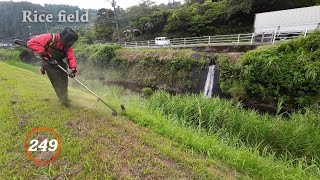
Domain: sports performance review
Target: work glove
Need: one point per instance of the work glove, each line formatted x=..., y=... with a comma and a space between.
x=53, y=62
x=73, y=72
x=45, y=56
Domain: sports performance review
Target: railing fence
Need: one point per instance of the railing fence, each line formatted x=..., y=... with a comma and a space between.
x=222, y=40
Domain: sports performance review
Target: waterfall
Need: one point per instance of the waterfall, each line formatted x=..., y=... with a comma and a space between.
x=209, y=82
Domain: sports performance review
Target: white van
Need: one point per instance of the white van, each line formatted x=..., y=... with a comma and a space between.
x=162, y=41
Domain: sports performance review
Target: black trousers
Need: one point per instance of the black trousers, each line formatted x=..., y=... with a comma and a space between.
x=59, y=79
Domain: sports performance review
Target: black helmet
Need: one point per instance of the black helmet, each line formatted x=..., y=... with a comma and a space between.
x=68, y=37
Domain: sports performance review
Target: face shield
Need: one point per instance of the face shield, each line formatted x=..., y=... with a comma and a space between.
x=69, y=38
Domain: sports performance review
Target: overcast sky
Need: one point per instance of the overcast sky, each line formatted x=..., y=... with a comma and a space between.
x=94, y=4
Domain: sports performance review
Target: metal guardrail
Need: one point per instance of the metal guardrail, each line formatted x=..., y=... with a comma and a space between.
x=222, y=40
x=5, y=45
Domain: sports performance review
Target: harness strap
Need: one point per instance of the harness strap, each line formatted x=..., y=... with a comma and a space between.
x=51, y=43
x=53, y=38
x=56, y=53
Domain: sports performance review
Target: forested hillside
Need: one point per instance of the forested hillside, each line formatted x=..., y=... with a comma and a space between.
x=224, y=16
x=11, y=24
x=148, y=20
x=193, y=18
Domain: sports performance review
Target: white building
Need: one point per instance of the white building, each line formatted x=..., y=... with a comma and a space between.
x=286, y=21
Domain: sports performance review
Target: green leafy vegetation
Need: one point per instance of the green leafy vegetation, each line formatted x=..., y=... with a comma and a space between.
x=13, y=57
x=147, y=92
x=178, y=70
x=201, y=18
x=288, y=71
x=99, y=55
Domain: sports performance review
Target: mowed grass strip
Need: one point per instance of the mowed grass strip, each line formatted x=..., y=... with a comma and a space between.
x=94, y=144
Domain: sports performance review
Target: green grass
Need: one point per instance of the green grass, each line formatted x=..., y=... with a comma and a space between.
x=12, y=57
x=295, y=137
x=94, y=144
x=246, y=160
x=254, y=161
x=23, y=65
x=202, y=130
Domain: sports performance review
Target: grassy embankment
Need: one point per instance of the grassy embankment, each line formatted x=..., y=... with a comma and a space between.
x=94, y=144
x=179, y=71
x=259, y=146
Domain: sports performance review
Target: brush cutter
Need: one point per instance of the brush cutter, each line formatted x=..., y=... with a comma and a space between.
x=114, y=112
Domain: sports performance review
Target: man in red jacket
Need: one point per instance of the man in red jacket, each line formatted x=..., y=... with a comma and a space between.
x=56, y=49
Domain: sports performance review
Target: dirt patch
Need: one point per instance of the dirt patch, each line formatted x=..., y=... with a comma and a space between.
x=82, y=127
x=234, y=56
x=45, y=155
x=24, y=120
x=74, y=170
x=162, y=55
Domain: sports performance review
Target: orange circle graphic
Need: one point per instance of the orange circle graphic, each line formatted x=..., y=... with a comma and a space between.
x=42, y=162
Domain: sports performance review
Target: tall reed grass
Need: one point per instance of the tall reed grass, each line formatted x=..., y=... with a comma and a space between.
x=290, y=138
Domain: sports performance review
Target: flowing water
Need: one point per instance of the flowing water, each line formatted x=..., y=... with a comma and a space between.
x=209, y=82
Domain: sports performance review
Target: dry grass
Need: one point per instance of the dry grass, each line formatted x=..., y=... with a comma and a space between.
x=136, y=55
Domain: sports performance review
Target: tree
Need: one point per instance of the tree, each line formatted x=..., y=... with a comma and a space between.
x=103, y=27
x=195, y=1
x=251, y=7
x=179, y=22
x=197, y=20
x=11, y=17
x=149, y=18
x=242, y=12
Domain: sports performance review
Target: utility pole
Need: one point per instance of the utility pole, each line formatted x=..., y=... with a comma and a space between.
x=113, y=4
x=29, y=30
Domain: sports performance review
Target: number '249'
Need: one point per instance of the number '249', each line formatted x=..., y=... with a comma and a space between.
x=43, y=146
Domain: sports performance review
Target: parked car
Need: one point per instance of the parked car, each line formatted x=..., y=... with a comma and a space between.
x=162, y=41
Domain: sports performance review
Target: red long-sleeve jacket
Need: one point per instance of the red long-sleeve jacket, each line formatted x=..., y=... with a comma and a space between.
x=38, y=43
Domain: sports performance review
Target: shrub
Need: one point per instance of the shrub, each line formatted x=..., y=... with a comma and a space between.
x=147, y=92
x=99, y=54
x=9, y=54
x=288, y=71
x=119, y=63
